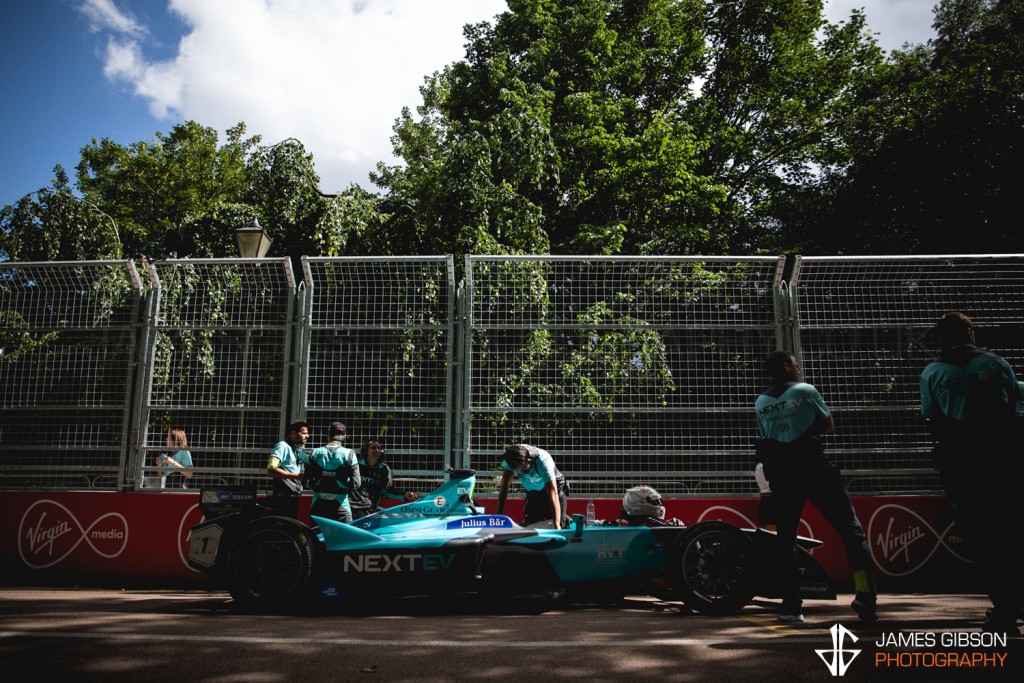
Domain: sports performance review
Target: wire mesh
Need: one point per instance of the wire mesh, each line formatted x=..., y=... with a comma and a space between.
x=67, y=343
x=864, y=331
x=629, y=370
x=220, y=350
x=380, y=335
x=625, y=369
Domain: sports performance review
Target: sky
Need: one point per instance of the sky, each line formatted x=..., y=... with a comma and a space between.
x=333, y=74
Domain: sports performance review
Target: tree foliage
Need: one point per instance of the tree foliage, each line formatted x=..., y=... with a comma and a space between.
x=931, y=142
x=622, y=126
x=607, y=127
x=182, y=195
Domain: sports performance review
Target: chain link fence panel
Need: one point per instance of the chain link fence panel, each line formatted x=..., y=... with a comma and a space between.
x=379, y=341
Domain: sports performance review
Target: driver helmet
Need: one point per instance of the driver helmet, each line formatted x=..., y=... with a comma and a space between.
x=643, y=502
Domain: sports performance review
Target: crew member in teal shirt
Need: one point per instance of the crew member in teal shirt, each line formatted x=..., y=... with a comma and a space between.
x=791, y=419
x=970, y=397
x=333, y=471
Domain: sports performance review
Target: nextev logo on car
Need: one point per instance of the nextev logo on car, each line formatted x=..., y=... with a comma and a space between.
x=425, y=562
x=835, y=659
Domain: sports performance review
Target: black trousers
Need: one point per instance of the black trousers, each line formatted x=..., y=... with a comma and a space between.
x=331, y=509
x=982, y=478
x=794, y=482
x=538, y=507
x=284, y=504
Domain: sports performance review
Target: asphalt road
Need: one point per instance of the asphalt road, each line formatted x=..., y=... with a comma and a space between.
x=195, y=635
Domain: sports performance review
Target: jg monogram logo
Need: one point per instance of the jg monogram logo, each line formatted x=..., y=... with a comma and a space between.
x=838, y=653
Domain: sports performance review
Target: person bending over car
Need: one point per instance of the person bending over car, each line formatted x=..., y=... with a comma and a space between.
x=791, y=419
x=285, y=468
x=545, y=486
x=332, y=473
x=375, y=482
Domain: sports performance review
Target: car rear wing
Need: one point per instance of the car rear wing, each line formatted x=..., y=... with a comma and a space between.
x=225, y=500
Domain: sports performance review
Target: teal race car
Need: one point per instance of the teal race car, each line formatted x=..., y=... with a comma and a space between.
x=444, y=544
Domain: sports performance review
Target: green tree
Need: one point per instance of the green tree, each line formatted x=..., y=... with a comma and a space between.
x=54, y=224
x=775, y=84
x=182, y=195
x=156, y=190
x=932, y=143
x=621, y=126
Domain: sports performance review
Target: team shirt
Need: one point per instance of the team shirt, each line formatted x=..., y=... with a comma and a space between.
x=540, y=473
x=375, y=483
x=291, y=459
x=330, y=458
x=785, y=412
x=969, y=385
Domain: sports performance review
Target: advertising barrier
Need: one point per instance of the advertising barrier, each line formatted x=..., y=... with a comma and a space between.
x=89, y=537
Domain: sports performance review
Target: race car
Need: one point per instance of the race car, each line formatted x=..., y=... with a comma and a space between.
x=444, y=544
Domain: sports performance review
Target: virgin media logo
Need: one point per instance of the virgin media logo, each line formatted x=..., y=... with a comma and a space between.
x=902, y=541
x=49, y=532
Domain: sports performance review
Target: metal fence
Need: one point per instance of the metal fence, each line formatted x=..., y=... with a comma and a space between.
x=628, y=369
x=219, y=350
x=864, y=330
x=68, y=343
x=378, y=343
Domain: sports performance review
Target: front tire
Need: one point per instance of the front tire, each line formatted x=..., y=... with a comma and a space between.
x=709, y=568
x=272, y=564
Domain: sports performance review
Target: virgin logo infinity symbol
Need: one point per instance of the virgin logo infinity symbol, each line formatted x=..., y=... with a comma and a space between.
x=805, y=528
x=896, y=543
x=43, y=540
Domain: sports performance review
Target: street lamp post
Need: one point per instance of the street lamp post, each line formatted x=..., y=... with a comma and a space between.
x=253, y=241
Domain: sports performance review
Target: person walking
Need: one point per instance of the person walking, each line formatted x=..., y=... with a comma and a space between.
x=792, y=417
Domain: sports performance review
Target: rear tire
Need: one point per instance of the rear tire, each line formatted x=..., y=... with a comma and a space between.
x=272, y=565
x=709, y=568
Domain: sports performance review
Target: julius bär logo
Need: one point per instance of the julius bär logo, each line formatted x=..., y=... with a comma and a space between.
x=49, y=532
x=902, y=542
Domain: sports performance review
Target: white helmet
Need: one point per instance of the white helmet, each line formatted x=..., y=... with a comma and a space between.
x=643, y=501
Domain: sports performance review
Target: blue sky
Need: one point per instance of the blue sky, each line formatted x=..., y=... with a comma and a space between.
x=332, y=73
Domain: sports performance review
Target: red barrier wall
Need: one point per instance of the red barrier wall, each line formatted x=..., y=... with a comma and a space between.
x=88, y=535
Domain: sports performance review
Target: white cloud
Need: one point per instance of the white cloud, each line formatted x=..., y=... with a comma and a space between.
x=333, y=73
x=104, y=15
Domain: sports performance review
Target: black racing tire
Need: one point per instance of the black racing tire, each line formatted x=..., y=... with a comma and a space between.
x=273, y=564
x=709, y=568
